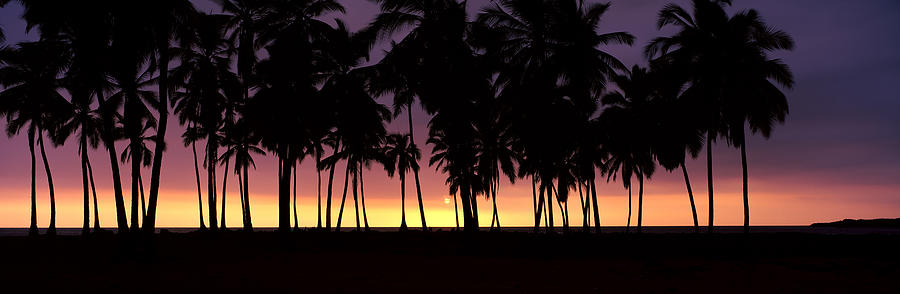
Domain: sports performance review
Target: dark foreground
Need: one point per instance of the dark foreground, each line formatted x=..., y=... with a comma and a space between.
x=449, y=262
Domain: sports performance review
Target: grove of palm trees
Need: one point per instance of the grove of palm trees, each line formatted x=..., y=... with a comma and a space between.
x=524, y=90
x=514, y=93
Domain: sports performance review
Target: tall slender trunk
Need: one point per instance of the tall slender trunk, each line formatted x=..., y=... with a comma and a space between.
x=211, y=195
x=224, y=192
x=143, y=200
x=536, y=211
x=86, y=205
x=362, y=196
x=585, y=217
x=241, y=194
x=455, y=211
x=640, y=201
x=596, y=207
x=109, y=142
x=51, y=231
x=496, y=214
x=318, y=190
x=199, y=191
x=33, y=229
x=466, y=194
x=403, y=203
x=135, y=183
x=540, y=208
x=343, y=198
x=475, y=220
x=549, y=188
x=687, y=182
x=150, y=219
x=330, y=181
x=709, y=177
x=94, y=192
x=248, y=224
x=284, y=194
x=294, y=171
x=746, y=194
x=355, y=196
x=628, y=224
x=412, y=141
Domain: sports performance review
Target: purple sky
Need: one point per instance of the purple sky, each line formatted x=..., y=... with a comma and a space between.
x=837, y=156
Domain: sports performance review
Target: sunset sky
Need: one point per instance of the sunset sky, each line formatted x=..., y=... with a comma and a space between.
x=837, y=156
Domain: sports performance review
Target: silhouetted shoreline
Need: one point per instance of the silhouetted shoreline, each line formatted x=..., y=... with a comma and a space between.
x=377, y=262
x=862, y=223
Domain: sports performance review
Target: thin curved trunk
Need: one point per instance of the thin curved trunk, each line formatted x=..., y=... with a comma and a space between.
x=687, y=182
x=746, y=194
x=585, y=217
x=343, y=199
x=640, y=201
x=150, y=218
x=456, y=211
x=475, y=220
x=211, y=196
x=412, y=141
x=540, y=208
x=284, y=194
x=109, y=142
x=33, y=229
x=496, y=214
x=355, y=196
x=537, y=215
x=403, y=203
x=143, y=200
x=199, y=191
x=224, y=192
x=294, y=171
x=86, y=223
x=362, y=197
x=248, y=224
x=709, y=177
x=51, y=231
x=318, y=190
x=549, y=206
x=628, y=224
x=596, y=207
x=135, y=184
x=94, y=192
x=241, y=194
x=330, y=182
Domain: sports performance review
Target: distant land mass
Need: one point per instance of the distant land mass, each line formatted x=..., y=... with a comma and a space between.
x=865, y=223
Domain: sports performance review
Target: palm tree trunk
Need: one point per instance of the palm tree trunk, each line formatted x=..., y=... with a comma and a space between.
x=687, y=182
x=94, y=192
x=475, y=220
x=284, y=194
x=248, y=224
x=709, y=177
x=343, y=198
x=496, y=215
x=143, y=201
x=746, y=194
x=540, y=208
x=412, y=141
x=330, y=181
x=51, y=231
x=640, y=201
x=549, y=206
x=294, y=171
x=355, y=198
x=362, y=197
x=466, y=194
x=135, y=183
x=585, y=218
x=150, y=219
x=33, y=229
x=318, y=190
x=224, y=192
x=628, y=224
x=199, y=191
x=455, y=211
x=86, y=224
x=537, y=214
x=109, y=141
x=211, y=154
x=241, y=194
x=403, y=203
x=596, y=207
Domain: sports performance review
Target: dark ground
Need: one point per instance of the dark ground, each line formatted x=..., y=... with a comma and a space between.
x=450, y=262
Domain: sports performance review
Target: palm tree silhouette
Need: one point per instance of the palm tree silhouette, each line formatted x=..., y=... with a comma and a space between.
x=143, y=155
x=725, y=61
x=241, y=146
x=401, y=156
x=31, y=101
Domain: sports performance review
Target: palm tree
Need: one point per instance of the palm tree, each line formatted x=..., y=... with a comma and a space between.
x=30, y=100
x=495, y=154
x=725, y=60
x=627, y=120
x=241, y=146
x=401, y=156
x=143, y=155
